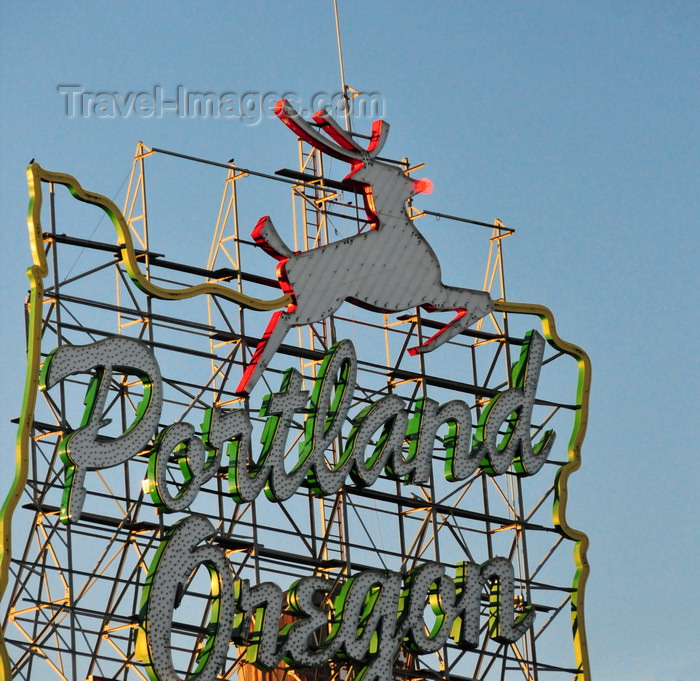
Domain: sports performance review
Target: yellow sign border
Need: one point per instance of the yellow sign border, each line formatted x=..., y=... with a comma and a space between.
x=39, y=270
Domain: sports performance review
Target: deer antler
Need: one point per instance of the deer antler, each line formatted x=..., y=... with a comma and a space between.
x=340, y=145
x=330, y=126
x=380, y=131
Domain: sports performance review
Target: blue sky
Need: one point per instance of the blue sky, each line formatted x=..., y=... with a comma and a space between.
x=575, y=123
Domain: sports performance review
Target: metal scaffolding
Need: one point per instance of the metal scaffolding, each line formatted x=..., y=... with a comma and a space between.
x=73, y=601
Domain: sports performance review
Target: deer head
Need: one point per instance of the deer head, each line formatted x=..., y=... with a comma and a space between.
x=385, y=186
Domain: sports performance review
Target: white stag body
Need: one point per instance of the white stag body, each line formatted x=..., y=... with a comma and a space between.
x=389, y=268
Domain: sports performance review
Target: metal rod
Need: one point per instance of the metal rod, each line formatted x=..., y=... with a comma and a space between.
x=508, y=230
x=346, y=106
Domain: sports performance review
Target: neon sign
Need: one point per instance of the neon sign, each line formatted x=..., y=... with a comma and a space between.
x=367, y=622
x=389, y=268
x=321, y=432
x=84, y=450
x=372, y=605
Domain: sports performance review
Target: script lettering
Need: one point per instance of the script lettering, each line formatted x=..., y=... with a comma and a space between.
x=514, y=408
x=177, y=558
x=84, y=449
x=375, y=613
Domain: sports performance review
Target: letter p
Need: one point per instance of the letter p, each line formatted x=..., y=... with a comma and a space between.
x=83, y=449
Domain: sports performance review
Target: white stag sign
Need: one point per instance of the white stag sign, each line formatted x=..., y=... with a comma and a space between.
x=389, y=268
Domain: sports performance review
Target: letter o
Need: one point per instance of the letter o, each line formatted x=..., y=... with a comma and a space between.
x=195, y=472
x=176, y=559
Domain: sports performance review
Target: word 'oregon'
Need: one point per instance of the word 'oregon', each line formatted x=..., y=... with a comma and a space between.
x=383, y=438
x=365, y=621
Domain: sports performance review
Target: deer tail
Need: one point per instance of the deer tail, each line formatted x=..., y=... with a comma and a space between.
x=266, y=236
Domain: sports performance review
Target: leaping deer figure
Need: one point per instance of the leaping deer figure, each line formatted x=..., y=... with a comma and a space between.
x=389, y=268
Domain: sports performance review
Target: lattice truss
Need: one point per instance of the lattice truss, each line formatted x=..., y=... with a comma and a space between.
x=75, y=590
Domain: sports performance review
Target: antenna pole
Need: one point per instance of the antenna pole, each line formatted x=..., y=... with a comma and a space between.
x=346, y=104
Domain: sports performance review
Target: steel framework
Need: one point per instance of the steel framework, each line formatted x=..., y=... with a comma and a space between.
x=72, y=597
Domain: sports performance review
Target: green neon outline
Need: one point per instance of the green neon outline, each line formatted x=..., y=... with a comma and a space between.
x=39, y=270
x=36, y=274
x=360, y=463
x=415, y=423
x=270, y=433
x=181, y=455
x=337, y=398
x=369, y=602
x=436, y=604
x=561, y=479
x=265, y=615
x=495, y=611
x=341, y=388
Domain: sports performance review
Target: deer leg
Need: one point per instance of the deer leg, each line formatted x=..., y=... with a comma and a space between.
x=478, y=305
x=462, y=321
x=267, y=237
x=274, y=334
